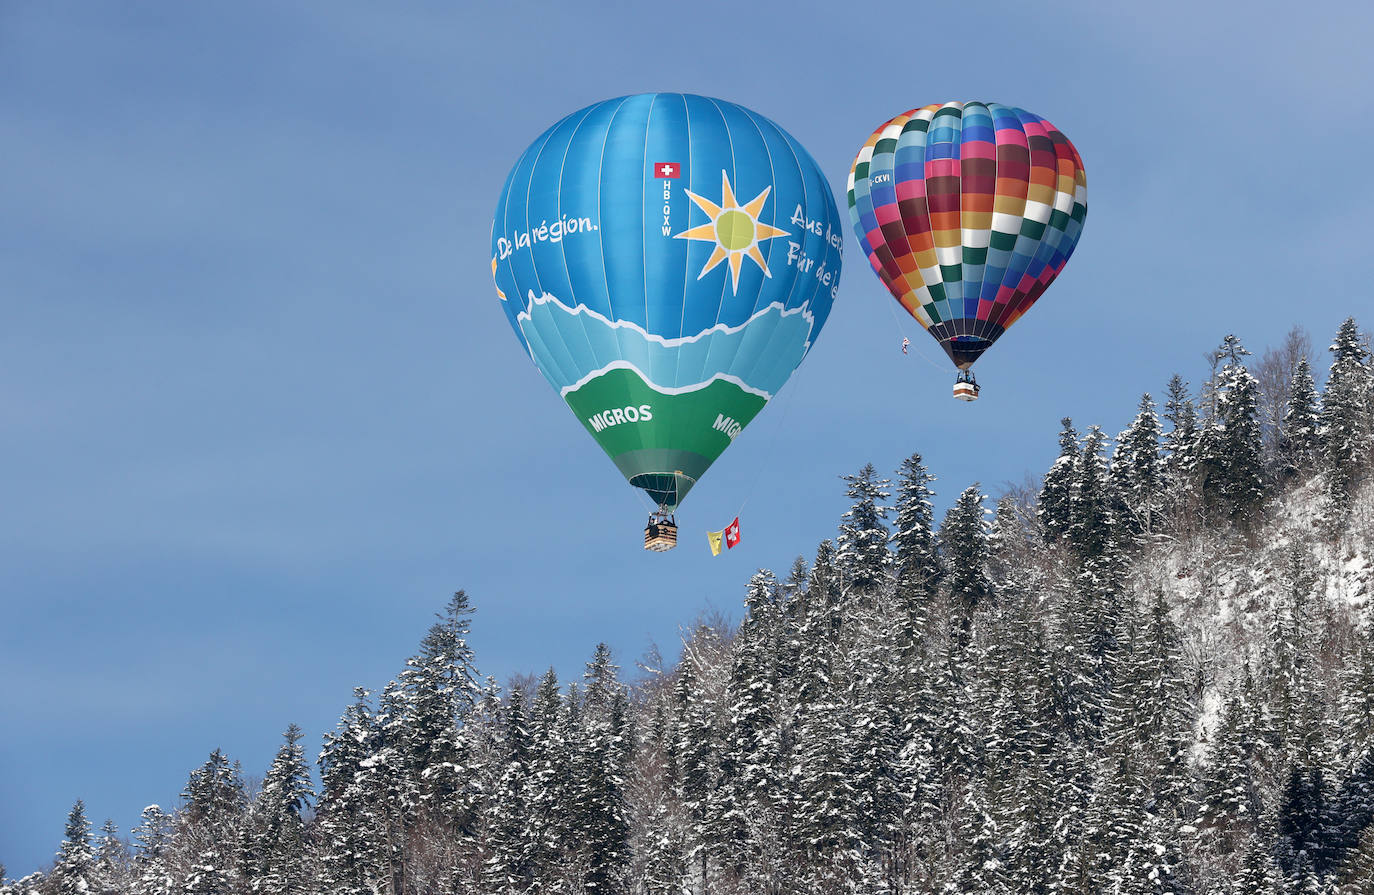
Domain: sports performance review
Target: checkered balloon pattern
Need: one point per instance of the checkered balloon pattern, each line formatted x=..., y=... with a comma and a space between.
x=967, y=212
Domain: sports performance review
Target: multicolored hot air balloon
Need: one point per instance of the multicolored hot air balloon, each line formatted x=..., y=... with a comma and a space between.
x=967, y=211
x=666, y=260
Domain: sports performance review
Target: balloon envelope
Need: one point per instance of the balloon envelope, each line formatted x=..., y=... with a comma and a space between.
x=666, y=260
x=967, y=212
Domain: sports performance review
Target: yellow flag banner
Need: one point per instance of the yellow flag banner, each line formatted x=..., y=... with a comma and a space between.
x=715, y=537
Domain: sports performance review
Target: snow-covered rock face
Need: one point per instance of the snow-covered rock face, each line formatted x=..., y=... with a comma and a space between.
x=1229, y=592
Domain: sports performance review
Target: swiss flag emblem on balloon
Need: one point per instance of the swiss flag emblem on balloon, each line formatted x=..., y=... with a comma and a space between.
x=668, y=170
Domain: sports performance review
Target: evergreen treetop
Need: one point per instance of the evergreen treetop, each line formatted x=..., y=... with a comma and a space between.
x=74, y=868
x=862, y=556
x=1091, y=499
x=1056, y=496
x=964, y=550
x=1137, y=469
x=917, y=557
x=1232, y=444
x=1347, y=414
x=1299, y=443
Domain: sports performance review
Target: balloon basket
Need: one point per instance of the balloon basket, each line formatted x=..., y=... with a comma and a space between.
x=661, y=533
x=965, y=389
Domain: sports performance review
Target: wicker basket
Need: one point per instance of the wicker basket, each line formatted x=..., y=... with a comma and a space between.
x=966, y=391
x=660, y=536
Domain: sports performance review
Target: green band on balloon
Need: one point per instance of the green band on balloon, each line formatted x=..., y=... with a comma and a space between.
x=648, y=432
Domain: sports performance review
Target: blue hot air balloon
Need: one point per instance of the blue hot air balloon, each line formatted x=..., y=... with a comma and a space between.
x=666, y=260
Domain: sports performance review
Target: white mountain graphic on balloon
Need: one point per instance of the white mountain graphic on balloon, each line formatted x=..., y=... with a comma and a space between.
x=573, y=343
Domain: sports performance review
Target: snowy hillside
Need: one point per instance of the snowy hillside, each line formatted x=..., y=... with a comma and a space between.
x=1153, y=672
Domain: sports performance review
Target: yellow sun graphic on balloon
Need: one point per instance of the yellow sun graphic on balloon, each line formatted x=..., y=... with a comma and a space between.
x=734, y=228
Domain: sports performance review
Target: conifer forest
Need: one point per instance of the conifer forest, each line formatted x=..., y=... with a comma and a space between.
x=1149, y=671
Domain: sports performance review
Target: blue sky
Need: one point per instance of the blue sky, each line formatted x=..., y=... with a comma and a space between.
x=260, y=411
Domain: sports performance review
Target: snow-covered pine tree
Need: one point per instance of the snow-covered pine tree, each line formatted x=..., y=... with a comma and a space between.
x=598, y=803
x=551, y=796
x=664, y=866
x=917, y=558
x=1138, y=471
x=214, y=806
x=1346, y=415
x=1357, y=692
x=752, y=764
x=1113, y=827
x=1181, y=453
x=828, y=821
x=862, y=556
x=825, y=798
x=916, y=592
x=1162, y=713
x=348, y=849
x=964, y=553
x=658, y=824
x=483, y=748
x=149, y=874
x=1293, y=702
x=1007, y=541
x=1114, y=835
x=1231, y=444
x=980, y=866
x=1024, y=744
x=1089, y=645
x=1148, y=727
x=871, y=667
x=825, y=600
x=1092, y=523
x=1299, y=444
x=272, y=850
x=1302, y=818
x=793, y=603
x=819, y=789
x=1056, y=496
x=998, y=718
x=947, y=717
x=112, y=867
x=1358, y=874
x=802, y=632
x=1305, y=838
x=1227, y=811
x=33, y=884
x=938, y=722
x=1257, y=874
x=388, y=783
x=73, y=871
x=440, y=687
x=513, y=843
x=697, y=705
x=1351, y=814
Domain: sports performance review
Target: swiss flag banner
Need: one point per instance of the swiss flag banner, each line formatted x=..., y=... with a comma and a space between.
x=668, y=170
x=732, y=533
